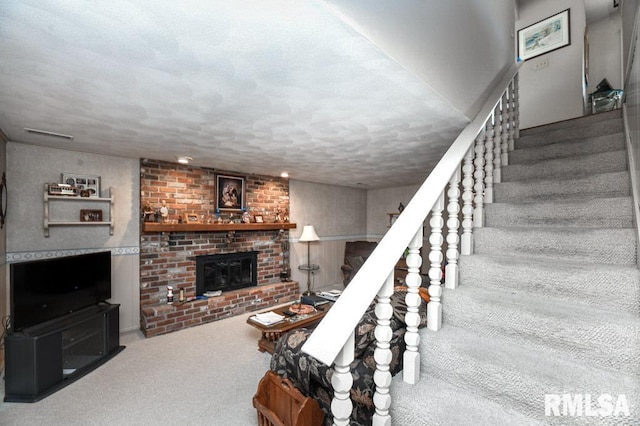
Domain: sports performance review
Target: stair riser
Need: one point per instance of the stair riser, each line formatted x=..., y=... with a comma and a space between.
x=594, y=286
x=607, y=162
x=615, y=184
x=576, y=122
x=571, y=134
x=613, y=142
x=591, y=213
x=605, y=246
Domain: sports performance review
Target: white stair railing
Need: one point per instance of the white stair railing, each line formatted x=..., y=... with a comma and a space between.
x=332, y=342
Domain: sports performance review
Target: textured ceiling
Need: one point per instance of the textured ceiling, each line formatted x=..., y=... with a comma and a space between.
x=253, y=86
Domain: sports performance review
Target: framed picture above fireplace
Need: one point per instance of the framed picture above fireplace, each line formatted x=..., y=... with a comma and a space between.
x=230, y=193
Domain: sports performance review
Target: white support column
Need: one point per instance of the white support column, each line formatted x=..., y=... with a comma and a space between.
x=434, y=307
x=478, y=175
x=497, y=140
x=488, y=163
x=506, y=124
x=342, y=381
x=466, y=245
x=411, y=360
x=453, y=223
x=382, y=354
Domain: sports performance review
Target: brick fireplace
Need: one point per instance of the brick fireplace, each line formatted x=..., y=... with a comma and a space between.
x=169, y=258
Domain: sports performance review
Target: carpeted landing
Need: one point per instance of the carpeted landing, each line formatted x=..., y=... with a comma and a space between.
x=549, y=304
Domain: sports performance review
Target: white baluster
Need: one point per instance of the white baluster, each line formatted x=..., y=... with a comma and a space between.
x=516, y=107
x=382, y=354
x=411, y=357
x=488, y=163
x=497, y=140
x=504, y=147
x=466, y=244
x=434, y=308
x=511, y=117
x=342, y=381
x=453, y=223
x=478, y=174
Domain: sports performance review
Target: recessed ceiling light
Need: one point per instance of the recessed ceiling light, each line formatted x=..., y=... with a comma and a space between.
x=47, y=133
x=284, y=174
x=184, y=160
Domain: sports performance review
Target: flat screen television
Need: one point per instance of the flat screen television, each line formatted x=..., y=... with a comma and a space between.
x=46, y=289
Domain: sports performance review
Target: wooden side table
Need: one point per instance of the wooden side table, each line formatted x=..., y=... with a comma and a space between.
x=271, y=333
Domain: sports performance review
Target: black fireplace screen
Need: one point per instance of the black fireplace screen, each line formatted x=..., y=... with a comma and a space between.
x=225, y=272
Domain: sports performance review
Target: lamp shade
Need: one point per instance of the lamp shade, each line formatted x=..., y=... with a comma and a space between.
x=308, y=234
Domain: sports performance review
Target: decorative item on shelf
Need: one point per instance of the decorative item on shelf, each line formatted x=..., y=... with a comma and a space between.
x=309, y=235
x=192, y=218
x=163, y=212
x=285, y=216
x=62, y=189
x=246, y=217
x=278, y=215
x=86, y=185
x=148, y=213
x=230, y=193
x=90, y=215
x=258, y=218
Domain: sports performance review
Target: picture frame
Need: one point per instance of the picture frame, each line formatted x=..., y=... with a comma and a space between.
x=192, y=218
x=258, y=218
x=230, y=193
x=86, y=185
x=90, y=215
x=544, y=36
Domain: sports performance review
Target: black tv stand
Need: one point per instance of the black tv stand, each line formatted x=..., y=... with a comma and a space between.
x=46, y=357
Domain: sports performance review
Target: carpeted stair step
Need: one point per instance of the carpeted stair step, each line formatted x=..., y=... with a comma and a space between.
x=588, y=213
x=610, y=287
x=614, y=184
x=612, y=161
x=575, y=122
x=595, y=145
x=440, y=404
x=608, y=245
x=573, y=133
x=490, y=366
x=609, y=340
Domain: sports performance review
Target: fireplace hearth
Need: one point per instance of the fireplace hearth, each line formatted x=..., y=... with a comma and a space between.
x=224, y=272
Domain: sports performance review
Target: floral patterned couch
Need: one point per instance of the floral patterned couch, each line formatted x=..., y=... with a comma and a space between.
x=313, y=378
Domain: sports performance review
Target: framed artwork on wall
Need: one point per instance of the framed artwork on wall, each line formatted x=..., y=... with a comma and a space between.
x=545, y=36
x=230, y=193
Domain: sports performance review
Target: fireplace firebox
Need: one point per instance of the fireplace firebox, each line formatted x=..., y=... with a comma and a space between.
x=229, y=271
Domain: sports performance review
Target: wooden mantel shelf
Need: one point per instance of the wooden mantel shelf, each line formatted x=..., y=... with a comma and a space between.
x=214, y=227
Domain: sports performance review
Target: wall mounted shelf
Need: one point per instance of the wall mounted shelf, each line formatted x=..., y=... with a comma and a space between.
x=49, y=199
x=214, y=227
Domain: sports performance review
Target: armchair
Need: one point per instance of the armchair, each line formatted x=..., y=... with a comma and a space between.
x=355, y=254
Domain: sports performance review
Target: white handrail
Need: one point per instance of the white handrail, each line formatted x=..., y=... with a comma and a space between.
x=332, y=333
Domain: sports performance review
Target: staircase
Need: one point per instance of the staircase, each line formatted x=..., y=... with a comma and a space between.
x=549, y=303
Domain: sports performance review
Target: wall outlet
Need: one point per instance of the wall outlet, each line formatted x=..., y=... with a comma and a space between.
x=542, y=63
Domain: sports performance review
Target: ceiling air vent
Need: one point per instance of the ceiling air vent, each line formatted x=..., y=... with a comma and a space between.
x=46, y=133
